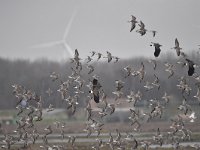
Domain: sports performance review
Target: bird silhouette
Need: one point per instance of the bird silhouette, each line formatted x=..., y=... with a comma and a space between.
x=157, y=49
x=190, y=67
x=95, y=90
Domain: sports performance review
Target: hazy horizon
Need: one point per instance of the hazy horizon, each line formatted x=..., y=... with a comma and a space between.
x=97, y=26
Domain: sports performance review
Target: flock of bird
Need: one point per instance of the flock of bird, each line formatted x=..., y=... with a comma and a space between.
x=30, y=105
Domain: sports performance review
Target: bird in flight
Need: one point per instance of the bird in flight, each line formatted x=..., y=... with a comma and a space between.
x=157, y=49
x=153, y=32
x=190, y=67
x=142, y=31
x=133, y=22
x=177, y=47
x=61, y=42
x=95, y=89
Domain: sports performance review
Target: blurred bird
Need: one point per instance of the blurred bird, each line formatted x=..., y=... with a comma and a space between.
x=91, y=69
x=109, y=56
x=133, y=22
x=54, y=76
x=119, y=85
x=49, y=130
x=177, y=47
x=153, y=32
x=158, y=137
x=99, y=55
x=191, y=68
x=166, y=98
x=111, y=108
x=141, y=72
x=192, y=117
x=156, y=82
x=153, y=61
x=128, y=70
x=197, y=96
x=116, y=59
x=49, y=92
x=184, y=107
x=148, y=86
x=50, y=108
x=157, y=49
x=89, y=59
x=92, y=53
x=169, y=69
x=142, y=29
x=118, y=94
x=95, y=90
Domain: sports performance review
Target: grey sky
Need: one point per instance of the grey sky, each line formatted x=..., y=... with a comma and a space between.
x=99, y=25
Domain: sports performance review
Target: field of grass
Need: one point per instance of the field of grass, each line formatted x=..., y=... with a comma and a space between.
x=76, y=125
x=88, y=146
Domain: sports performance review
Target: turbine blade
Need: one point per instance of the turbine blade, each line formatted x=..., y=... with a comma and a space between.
x=46, y=45
x=70, y=23
x=68, y=48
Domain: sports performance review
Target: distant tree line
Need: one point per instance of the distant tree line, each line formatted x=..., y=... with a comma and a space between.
x=36, y=77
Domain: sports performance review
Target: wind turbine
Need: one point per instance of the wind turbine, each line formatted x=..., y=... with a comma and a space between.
x=61, y=42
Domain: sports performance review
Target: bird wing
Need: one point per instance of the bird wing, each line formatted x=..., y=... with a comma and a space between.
x=191, y=67
x=142, y=25
x=133, y=17
x=176, y=43
x=132, y=26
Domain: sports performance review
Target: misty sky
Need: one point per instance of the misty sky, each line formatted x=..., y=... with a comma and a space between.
x=99, y=25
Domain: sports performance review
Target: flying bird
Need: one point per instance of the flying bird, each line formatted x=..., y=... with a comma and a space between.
x=95, y=90
x=91, y=69
x=190, y=67
x=177, y=47
x=142, y=29
x=153, y=61
x=133, y=22
x=99, y=56
x=109, y=56
x=153, y=32
x=157, y=49
x=92, y=53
